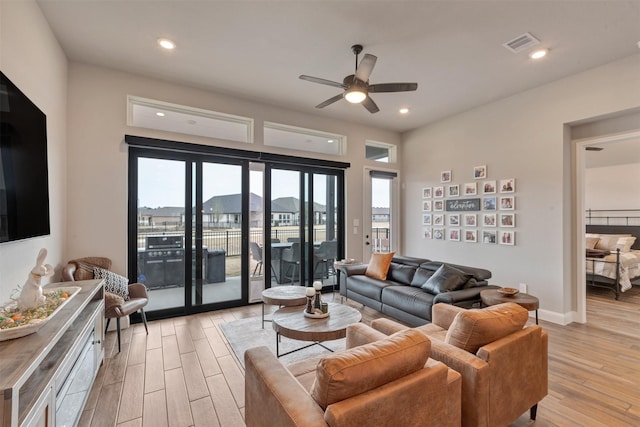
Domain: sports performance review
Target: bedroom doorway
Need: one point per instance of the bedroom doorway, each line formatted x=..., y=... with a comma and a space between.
x=605, y=150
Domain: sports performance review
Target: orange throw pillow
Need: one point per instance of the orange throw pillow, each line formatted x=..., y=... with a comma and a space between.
x=379, y=265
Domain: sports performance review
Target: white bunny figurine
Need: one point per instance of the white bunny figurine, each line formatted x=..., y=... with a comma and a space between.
x=31, y=295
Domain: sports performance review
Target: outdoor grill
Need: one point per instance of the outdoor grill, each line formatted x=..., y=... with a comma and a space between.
x=161, y=264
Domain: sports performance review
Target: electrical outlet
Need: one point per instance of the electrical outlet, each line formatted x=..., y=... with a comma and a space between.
x=523, y=288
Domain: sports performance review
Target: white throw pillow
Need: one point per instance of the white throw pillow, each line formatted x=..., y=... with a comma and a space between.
x=113, y=283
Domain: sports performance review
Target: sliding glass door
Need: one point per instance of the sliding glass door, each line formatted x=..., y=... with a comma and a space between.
x=306, y=226
x=190, y=232
x=209, y=231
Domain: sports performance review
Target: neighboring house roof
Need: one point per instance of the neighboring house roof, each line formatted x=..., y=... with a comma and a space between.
x=292, y=204
x=162, y=211
x=232, y=203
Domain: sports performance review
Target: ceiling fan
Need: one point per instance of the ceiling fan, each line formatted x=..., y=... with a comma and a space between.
x=356, y=86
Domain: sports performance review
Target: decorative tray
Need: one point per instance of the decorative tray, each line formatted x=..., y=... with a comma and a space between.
x=508, y=291
x=316, y=315
x=33, y=325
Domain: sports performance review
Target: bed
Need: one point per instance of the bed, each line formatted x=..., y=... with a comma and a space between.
x=613, y=257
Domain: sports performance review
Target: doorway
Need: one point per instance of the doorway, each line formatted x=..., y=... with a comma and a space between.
x=380, y=213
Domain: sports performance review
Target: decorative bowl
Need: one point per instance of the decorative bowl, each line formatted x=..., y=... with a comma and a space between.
x=347, y=261
x=35, y=324
x=508, y=291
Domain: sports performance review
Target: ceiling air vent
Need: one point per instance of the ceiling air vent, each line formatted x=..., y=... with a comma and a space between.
x=520, y=43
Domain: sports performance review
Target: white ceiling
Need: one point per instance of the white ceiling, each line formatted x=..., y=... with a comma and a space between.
x=257, y=49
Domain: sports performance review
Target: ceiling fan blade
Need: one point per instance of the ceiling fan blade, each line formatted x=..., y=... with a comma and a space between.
x=329, y=101
x=370, y=105
x=322, y=81
x=393, y=87
x=366, y=67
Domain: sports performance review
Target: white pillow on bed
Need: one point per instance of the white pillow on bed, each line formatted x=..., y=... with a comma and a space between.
x=592, y=240
x=625, y=243
x=611, y=242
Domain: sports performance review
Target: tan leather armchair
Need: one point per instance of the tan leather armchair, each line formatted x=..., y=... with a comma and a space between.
x=115, y=307
x=385, y=381
x=502, y=379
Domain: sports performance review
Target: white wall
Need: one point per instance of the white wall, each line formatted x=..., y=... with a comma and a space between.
x=32, y=59
x=613, y=187
x=522, y=137
x=97, y=156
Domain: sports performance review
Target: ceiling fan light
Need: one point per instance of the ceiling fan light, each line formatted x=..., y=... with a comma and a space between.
x=355, y=96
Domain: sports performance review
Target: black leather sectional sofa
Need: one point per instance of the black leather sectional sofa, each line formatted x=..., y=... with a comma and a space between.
x=406, y=295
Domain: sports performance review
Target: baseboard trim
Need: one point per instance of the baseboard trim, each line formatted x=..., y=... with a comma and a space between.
x=555, y=317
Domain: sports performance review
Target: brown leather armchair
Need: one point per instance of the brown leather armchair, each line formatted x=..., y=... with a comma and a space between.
x=502, y=376
x=378, y=380
x=115, y=307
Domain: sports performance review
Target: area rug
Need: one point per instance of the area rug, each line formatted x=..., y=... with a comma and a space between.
x=246, y=333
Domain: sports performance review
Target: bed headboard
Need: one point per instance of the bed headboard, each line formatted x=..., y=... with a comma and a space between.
x=634, y=230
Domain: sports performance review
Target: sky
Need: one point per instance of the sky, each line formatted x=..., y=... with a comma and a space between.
x=161, y=183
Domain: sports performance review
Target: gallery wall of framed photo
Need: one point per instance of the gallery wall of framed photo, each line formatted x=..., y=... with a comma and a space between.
x=476, y=210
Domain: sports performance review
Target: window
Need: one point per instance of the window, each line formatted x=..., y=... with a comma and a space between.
x=296, y=138
x=380, y=152
x=152, y=114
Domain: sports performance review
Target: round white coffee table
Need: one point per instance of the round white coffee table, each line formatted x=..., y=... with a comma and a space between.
x=292, y=323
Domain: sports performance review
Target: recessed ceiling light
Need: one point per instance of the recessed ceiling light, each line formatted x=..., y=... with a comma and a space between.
x=331, y=141
x=404, y=110
x=167, y=44
x=537, y=54
x=160, y=114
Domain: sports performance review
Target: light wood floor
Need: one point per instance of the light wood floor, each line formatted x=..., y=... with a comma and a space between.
x=185, y=374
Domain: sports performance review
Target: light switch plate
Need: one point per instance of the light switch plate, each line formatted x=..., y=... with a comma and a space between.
x=523, y=288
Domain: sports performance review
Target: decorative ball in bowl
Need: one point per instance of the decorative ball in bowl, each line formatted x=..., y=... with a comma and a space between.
x=508, y=291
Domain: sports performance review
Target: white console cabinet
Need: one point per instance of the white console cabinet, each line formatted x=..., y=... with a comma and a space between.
x=46, y=377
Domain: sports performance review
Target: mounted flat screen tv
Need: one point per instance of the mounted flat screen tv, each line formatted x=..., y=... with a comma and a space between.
x=24, y=183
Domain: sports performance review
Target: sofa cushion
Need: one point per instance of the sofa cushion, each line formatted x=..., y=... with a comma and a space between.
x=368, y=286
x=379, y=265
x=446, y=279
x=478, y=273
x=401, y=273
x=409, y=299
x=348, y=373
x=421, y=276
x=471, y=329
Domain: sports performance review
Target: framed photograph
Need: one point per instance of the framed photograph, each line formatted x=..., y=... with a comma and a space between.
x=471, y=236
x=427, y=234
x=453, y=190
x=490, y=236
x=507, y=238
x=426, y=193
x=488, y=203
x=489, y=187
x=507, y=203
x=470, y=220
x=445, y=176
x=426, y=205
x=489, y=220
x=454, y=219
x=438, y=233
x=507, y=220
x=470, y=189
x=480, y=172
x=438, y=191
x=438, y=219
x=507, y=185
x=454, y=234
x=426, y=219
x=438, y=205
